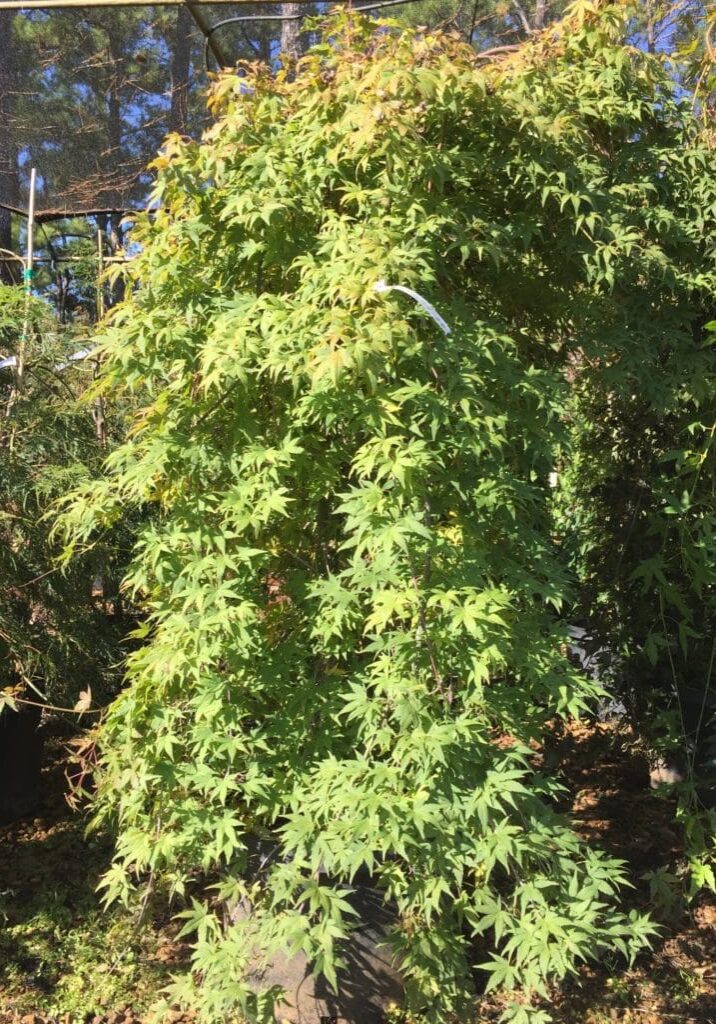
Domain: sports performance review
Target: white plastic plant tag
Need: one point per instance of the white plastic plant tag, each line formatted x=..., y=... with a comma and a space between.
x=381, y=287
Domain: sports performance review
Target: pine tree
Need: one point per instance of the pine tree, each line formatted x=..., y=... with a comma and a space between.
x=9, y=190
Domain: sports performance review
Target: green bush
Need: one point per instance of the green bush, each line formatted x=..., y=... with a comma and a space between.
x=55, y=640
x=353, y=584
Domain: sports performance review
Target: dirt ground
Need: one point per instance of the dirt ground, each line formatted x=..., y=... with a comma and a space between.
x=65, y=961
x=613, y=807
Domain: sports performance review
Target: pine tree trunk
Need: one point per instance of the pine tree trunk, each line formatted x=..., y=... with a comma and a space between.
x=9, y=185
x=20, y=763
x=651, y=19
x=116, y=196
x=290, y=31
x=181, y=58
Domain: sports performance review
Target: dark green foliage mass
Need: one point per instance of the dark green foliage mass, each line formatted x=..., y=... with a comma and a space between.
x=55, y=640
x=354, y=583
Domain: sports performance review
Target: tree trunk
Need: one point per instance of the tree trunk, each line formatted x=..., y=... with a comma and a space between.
x=9, y=185
x=20, y=763
x=290, y=31
x=113, y=227
x=181, y=59
x=650, y=27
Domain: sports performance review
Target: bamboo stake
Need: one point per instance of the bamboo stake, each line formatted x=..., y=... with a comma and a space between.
x=31, y=220
x=98, y=413
x=29, y=271
x=100, y=271
x=29, y=266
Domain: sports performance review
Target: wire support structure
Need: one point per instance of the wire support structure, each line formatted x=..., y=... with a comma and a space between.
x=25, y=5
x=16, y=363
x=195, y=9
x=244, y=18
x=47, y=216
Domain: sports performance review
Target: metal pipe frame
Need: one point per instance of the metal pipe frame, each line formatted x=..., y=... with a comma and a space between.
x=31, y=5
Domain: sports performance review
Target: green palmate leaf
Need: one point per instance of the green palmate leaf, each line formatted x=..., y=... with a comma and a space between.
x=353, y=580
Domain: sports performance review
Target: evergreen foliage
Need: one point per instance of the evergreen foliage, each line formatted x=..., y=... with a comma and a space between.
x=55, y=640
x=353, y=583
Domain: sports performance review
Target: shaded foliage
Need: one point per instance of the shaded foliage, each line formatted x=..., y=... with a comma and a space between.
x=55, y=639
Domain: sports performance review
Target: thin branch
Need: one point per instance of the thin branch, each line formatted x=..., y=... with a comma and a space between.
x=523, y=17
x=54, y=707
x=36, y=579
x=220, y=401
